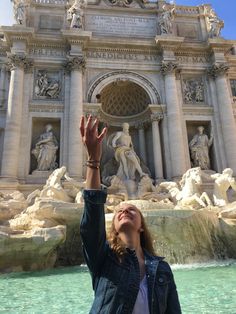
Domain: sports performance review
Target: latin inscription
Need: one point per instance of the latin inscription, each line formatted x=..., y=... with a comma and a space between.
x=192, y=59
x=121, y=56
x=47, y=52
x=121, y=25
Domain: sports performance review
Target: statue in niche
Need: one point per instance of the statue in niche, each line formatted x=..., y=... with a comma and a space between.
x=125, y=155
x=199, y=148
x=193, y=91
x=215, y=24
x=165, y=19
x=20, y=12
x=221, y=185
x=45, y=88
x=75, y=14
x=45, y=150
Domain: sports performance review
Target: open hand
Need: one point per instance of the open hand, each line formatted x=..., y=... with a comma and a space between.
x=90, y=137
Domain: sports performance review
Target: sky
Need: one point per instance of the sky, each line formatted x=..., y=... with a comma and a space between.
x=225, y=9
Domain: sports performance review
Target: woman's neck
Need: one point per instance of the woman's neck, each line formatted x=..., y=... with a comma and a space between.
x=132, y=241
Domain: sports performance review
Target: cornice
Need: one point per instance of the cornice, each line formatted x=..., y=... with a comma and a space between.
x=18, y=33
x=76, y=37
x=169, y=42
x=219, y=45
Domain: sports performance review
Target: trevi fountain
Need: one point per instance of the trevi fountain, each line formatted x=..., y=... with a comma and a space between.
x=163, y=80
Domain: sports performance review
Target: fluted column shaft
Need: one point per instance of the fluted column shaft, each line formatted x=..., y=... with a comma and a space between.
x=2, y=85
x=226, y=114
x=142, y=146
x=75, y=146
x=174, y=120
x=13, y=119
x=158, y=165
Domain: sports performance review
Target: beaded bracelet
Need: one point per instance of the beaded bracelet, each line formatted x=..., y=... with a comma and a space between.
x=94, y=164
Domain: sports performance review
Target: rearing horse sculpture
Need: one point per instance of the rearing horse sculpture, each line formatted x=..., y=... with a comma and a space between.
x=190, y=192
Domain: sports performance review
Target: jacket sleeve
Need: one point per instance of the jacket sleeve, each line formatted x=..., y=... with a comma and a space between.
x=173, y=305
x=92, y=230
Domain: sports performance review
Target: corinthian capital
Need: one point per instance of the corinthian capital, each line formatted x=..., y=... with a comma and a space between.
x=156, y=116
x=168, y=67
x=217, y=69
x=75, y=63
x=19, y=61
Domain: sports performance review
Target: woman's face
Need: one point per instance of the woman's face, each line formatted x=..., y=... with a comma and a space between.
x=127, y=218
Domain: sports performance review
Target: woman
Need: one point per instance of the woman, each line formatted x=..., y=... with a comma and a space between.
x=127, y=276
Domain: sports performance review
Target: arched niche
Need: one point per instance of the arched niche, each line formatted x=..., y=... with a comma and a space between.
x=101, y=82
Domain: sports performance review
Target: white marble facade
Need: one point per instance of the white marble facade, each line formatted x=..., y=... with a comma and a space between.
x=118, y=63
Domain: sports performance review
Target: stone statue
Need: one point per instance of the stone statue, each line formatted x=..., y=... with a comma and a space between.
x=45, y=150
x=125, y=155
x=75, y=14
x=46, y=89
x=165, y=19
x=20, y=12
x=199, y=148
x=222, y=183
x=53, y=188
x=189, y=193
x=215, y=24
x=199, y=92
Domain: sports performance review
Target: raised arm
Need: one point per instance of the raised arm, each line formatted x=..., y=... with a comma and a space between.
x=92, y=227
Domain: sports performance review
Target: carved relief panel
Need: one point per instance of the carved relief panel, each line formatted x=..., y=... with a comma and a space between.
x=47, y=85
x=193, y=90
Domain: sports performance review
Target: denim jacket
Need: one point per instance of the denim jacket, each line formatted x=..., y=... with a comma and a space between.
x=116, y=284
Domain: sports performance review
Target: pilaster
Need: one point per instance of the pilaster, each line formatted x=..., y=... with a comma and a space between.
x=218, y=72
x=18, y=64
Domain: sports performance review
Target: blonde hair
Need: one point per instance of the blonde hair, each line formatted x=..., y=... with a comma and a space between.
x=118, y=246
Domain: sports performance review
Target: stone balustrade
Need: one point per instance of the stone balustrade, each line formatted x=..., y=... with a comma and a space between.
x=186, y=10
x=63, y=2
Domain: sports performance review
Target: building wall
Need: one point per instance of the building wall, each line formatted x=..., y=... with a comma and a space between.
x=117, y=44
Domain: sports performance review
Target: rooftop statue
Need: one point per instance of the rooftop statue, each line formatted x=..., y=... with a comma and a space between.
x=165, y=19
x=19, y=9
x=214, y=24
x=75, y=14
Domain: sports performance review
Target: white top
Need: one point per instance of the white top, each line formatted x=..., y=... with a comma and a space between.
x=141, y=304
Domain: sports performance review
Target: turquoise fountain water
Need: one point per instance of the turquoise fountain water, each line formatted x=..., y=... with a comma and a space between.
x=203, y=289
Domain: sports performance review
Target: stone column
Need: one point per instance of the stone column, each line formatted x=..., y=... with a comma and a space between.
x=218, y=71
x=13, y=118
x=3, y=85
x=75, y=146
x=158, y=165
x=174, y=117
x=142, y=146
